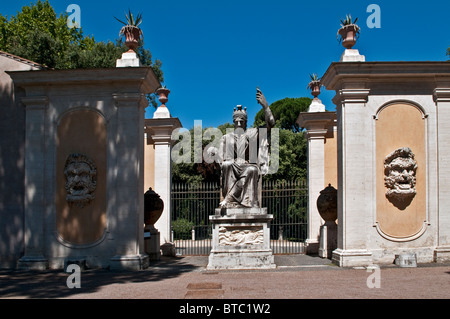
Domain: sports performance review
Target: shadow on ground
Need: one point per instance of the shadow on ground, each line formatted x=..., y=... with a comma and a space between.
x=53, y=283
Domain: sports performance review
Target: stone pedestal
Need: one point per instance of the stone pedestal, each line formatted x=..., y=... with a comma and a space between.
x=328, y=239
x=241, y=239
x=129, y=59
x=129, y=262
x=352, y=55
x=152, y=243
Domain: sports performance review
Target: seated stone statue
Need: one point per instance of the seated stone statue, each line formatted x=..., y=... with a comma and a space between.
x=243, y=156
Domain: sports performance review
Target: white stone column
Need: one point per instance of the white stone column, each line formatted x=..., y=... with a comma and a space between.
x=129, y=184
x=316, y=122
x=354, y=177
x=442, y=99
x=34, y=258
x=160, y=128
x=316, y=178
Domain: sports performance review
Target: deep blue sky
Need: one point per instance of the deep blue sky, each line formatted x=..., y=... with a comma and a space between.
x=215, y=53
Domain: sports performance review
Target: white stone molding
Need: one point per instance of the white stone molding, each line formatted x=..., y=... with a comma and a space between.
x=345, y=96
x=422, y=230
x=401, y=101
x=441, y=95
x=81, y=246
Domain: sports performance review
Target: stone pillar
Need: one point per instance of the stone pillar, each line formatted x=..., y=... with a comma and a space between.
x=317, y=123
x=160, y=128
x=130, y=181
x=354, y=177
x=33, y=258
x=442, y=100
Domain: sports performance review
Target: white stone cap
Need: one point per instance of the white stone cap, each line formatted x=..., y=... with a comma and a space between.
x=352, y=55
x=316, y=106
x=162, y=112
x=129, y=59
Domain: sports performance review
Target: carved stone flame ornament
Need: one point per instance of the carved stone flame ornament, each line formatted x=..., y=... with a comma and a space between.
x=400, y=177
x=81, y=179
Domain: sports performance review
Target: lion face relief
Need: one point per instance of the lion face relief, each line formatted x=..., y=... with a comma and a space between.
x=81, y=175
x=400, y=175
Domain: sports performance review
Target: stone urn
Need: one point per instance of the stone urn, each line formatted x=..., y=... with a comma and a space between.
x=315, y=89
x=153, y=207
x=327, y=204
x=349, y=35
x=132, y=36
x=163, y=95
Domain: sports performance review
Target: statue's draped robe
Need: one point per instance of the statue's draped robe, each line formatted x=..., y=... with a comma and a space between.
x=245, y=157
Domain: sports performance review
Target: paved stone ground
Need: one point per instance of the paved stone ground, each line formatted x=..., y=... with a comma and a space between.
x=296, y=277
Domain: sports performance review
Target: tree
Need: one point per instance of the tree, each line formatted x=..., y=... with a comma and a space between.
x=292, y=143
x=37, y=33
x=195, y=173
x=448, y=51
x=285, y=112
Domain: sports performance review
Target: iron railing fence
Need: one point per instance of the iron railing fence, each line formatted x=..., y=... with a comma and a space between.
x=193, y=203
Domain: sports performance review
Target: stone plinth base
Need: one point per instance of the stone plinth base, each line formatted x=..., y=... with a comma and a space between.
x=442, y=254
x=129, y=262
x=32, y=263
x=352, y=55
x=328, y=239
x=241, y=239
x=352, y=257
x=152, y=242
x=129, y=59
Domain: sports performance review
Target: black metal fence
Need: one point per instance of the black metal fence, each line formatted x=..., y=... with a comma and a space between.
x=193, y=203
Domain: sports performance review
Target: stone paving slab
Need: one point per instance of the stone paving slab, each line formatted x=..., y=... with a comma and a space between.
x=297, y=277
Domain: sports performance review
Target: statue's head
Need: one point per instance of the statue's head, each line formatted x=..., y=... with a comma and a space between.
x=81, y=175
x=240, y=118
x=400, y=175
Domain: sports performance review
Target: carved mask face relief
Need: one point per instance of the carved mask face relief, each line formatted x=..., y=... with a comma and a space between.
x=81, y=173
x=400, y=176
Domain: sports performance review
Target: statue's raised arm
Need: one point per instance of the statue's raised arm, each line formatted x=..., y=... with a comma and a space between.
x=268, y=116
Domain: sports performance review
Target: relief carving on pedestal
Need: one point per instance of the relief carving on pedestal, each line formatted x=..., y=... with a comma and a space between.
x=400, y=177
x=235, y=237
x=81, y=179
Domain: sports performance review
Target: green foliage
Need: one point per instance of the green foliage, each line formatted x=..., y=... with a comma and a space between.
x=292, y=157
x=196, y=173
x=348, y=20
x=285, y=112
x=182, y=228
x=448, y=51
x=315, y=80
x=131, y=20
x=37, y=33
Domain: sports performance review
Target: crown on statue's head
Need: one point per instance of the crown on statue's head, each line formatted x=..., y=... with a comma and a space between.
x=240, y=113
